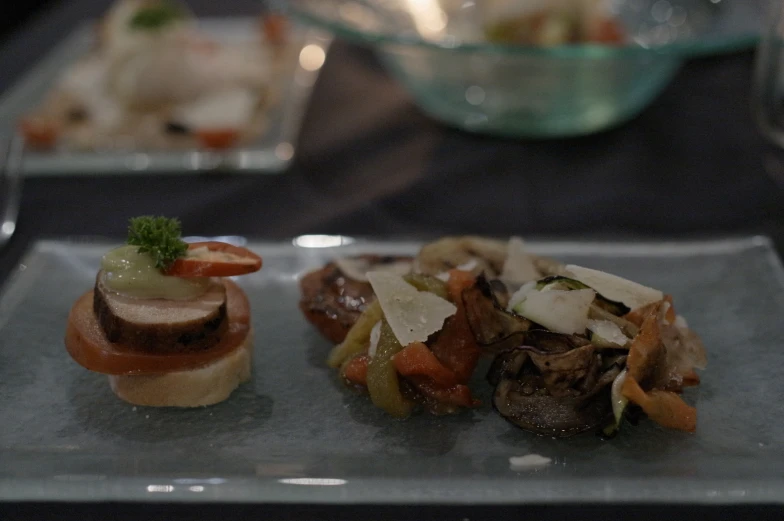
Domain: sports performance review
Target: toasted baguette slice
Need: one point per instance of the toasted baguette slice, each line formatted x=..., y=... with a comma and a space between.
x=191, y=388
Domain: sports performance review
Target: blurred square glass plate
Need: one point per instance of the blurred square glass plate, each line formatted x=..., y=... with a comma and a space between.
x=294, y=434
x=271, y=153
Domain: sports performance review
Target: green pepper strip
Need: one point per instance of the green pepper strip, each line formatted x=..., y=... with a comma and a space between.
x=382, y=379
x=427, y=283
x=358, y=336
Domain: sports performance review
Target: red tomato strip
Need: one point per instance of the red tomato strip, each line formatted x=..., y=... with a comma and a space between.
x=218, y=139
x=39, y=132
x=355, y=370
x=220, y=260
x=417, y=359
x=455, y=346
x=275, y=28
x=665, y=408
x=87, y=343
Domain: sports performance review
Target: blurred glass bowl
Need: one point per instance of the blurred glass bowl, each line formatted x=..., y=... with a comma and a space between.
x=437, y=50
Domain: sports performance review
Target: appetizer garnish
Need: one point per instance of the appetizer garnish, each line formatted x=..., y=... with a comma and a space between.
x=157, y=80
x=162, y=323
x=574, y=348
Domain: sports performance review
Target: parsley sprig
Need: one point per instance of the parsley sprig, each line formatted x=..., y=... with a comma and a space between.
x=159, y=237
x=156, y=16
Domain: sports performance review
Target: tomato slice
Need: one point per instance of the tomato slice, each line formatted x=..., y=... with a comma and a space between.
x=218, y=139
x=39, y=132
x=88, y=345
x=215, y=259
x=275, y=28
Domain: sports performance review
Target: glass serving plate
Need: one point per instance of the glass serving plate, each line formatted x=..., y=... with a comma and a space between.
x=295, y=435
x=270, y=153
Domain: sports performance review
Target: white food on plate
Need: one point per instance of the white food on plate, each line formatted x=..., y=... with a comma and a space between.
x=559, y=311
x=608, y=331
x=528, y=462
x=519, y=265
x=375, y=336
x=616, y=288
x=230, y=109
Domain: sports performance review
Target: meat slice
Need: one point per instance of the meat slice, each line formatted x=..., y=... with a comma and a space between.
x=161, y=325
x=332, y=300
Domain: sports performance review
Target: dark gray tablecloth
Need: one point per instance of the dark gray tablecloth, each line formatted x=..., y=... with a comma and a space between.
x=369, y=163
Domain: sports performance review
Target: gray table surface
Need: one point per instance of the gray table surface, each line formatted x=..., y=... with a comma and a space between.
x=369, y=163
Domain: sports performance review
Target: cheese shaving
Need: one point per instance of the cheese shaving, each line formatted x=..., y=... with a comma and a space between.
x=411, y=314
x=519, y=266
x=616, y=288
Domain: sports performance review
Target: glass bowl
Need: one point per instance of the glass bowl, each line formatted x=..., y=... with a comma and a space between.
x=437, y=50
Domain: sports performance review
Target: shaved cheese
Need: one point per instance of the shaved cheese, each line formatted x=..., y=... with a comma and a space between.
x=519, y=266
x=519, y=295
x=559, y=311
x=527, y=462
x=616, y=288
x=356, y=268
x=619, y=401
x=608, y=331
x=412, y=315
x=375, y=336
x=680, y=322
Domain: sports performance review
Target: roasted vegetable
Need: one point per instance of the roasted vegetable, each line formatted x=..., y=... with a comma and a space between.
x=427, y=283
x=382, y=379
x=358, y=336
x=494, y=328
x=553, y=394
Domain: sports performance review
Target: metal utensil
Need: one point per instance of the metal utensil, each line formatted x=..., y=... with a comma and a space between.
x=11, y=177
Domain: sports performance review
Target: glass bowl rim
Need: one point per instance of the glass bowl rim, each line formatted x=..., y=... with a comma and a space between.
x=685, y=49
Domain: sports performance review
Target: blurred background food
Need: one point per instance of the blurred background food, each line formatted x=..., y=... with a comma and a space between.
x=537, y=68
x=157, y=80
x=550, y=22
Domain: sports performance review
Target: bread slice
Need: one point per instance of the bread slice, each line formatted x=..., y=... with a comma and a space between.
x=191, y=388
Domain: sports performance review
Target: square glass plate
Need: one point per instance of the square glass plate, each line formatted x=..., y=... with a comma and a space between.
x=294, y=434
x=270, y=153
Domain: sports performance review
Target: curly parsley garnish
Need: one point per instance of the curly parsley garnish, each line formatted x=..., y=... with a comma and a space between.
x=156, y=16
x=159, y=237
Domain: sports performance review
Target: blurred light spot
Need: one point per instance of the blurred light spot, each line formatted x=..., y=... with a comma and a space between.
x=138, y=162
x=428, y=16
x=193, y=481
x=679, y=16
x=321, y=241
x=312, y=57
x=284, y=151
x=475, y=95
x=8, y=227
x=196, y=488
x=356, y=14
x=661, y=11
x=329, y=482
x=160, y=488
